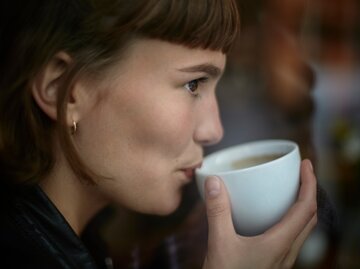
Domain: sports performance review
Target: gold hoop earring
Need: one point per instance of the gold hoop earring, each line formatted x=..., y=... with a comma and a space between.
x=73, y=128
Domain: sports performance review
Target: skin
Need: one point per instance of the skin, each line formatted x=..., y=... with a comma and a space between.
x=277, y=248
x=140, y=126
x=143, y=125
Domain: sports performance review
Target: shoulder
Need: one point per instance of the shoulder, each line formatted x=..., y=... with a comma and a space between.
x=34, y=234
x=17, y=248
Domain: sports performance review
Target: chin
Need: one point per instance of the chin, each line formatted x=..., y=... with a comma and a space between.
x=165, y=212
x=168, y=207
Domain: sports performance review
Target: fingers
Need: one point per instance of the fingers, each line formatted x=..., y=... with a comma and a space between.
x=296, y=247
x=301, y=213
x=218, y=210
x=308, y=182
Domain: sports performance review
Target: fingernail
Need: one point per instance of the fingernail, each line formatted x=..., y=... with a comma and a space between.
x=311, y=166
x=212, y=186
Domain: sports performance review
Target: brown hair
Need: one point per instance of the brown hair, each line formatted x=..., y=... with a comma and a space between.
x=92, y=32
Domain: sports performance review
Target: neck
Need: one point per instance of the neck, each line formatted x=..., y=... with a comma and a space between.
x=77, y=200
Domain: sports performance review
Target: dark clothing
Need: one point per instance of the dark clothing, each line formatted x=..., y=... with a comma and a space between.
x=327, y=217
x=33, y=234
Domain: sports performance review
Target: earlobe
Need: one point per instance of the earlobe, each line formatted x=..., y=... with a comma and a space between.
x=46, y=84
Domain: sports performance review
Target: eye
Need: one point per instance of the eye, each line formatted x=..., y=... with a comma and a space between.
x=193, y=86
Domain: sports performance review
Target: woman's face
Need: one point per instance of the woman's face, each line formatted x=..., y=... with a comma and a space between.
x=148, y=123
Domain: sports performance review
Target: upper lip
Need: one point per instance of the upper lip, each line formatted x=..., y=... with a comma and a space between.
x=193, y=167
x=190, y=171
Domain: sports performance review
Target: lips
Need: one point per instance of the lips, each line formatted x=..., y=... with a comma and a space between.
x=190, y=171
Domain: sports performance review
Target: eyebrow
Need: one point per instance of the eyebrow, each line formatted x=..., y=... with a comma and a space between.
x=210, y=69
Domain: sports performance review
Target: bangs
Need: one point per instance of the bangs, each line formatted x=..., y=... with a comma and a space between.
x=207, y=24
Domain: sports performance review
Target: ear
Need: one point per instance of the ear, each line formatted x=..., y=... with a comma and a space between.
x=47, y=83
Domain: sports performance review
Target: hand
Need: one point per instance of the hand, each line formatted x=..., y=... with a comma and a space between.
x=278, y=247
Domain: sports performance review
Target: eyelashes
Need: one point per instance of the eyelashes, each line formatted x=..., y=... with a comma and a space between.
x=193, y=86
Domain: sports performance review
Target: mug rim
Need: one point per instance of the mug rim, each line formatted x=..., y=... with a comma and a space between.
x=204, y=170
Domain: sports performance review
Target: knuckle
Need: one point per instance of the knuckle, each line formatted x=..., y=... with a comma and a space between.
x=311, y=217
x=312, y=208
x=315, y=220
x=216, y=210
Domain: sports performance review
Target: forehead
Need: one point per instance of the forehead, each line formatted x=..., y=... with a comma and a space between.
x=164, y=56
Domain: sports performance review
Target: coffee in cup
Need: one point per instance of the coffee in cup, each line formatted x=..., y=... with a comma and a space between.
x=255, y=160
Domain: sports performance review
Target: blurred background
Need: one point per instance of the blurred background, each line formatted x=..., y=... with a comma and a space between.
x=293, y=74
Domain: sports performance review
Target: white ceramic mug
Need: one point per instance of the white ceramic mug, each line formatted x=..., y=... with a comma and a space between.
x=260, y=194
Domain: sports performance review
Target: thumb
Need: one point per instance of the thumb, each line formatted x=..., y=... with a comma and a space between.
x=218, y=209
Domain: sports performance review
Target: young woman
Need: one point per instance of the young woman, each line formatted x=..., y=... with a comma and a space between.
x=112, y=102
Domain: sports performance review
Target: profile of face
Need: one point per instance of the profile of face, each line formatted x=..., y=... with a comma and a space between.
x=147, y=122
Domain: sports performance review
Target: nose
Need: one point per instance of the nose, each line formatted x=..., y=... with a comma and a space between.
x=209, y=129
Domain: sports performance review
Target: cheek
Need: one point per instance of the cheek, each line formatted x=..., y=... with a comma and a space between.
x=137, y=128
x=137, y=144
x=166, y=127
x=170, y=132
